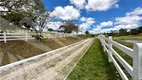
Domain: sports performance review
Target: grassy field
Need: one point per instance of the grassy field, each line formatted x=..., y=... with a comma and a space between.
x=17, y=50
x=128, y=38
x=94, y=66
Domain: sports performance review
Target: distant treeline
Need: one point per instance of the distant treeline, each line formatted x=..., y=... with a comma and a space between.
x=125, y=32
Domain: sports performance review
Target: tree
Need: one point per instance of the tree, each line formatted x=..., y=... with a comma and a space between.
x=112, y=33
x=69, y=27
x=50, y=29
x=87, y=32
x=20, y=10
x=122, y=32
x=27, y=23
x=12, y=5
x=134, y=32
x=22, y=5
x=140, y=29
x=41, y=22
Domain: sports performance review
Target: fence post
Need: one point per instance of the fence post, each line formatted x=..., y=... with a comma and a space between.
x=109, y=48
x=4, y=37
x=103, y=40
x=137, y=61
x=26, y=36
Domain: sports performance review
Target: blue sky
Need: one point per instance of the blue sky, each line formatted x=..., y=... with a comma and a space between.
x=96, y=16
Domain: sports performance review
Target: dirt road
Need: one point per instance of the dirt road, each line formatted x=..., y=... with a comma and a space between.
x=53, y=66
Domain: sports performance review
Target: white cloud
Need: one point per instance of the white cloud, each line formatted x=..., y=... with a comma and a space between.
x=78, y=3
x=127, y=20
x=131, y=20
x=128, y=26
x=101, y=5
x=116, y=6
x=66, y=13
x=137, y=11
x=104, y=24
x=99, y=28
x=83, y=27
x=87, y=23
x=95, y=5
x=107, y=30
x=54, y=25
x=83, y=19
x=88, y=20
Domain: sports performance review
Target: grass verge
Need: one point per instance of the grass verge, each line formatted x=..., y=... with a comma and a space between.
x=139, y=37
x=94, y=66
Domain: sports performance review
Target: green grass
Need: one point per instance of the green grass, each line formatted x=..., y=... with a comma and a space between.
x=94, y=66
x=124, y=55
x=139, y=37
x=128, y=44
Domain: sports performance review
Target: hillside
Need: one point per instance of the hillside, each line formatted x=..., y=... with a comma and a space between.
x=6, y=25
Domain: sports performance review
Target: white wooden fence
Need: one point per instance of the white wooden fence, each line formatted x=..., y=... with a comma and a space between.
x=55, y=35
x=12, y=36
x=136, y=53
x=16, y=31
x=6, y=36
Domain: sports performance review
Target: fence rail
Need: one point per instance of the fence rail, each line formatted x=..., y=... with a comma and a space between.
x=135, y=71
x=24, y=36
x=11, y=36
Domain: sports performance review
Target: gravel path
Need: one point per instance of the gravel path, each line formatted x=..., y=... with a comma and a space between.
x=50, y=67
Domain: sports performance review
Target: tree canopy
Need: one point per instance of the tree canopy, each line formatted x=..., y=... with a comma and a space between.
x=69, y=27
x=87, y=32
x=124, y=32
x=20, y=10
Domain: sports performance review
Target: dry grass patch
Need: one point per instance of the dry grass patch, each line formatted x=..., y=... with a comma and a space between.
x=15, y=48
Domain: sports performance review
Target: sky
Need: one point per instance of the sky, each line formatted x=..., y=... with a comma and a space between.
x=95, y=16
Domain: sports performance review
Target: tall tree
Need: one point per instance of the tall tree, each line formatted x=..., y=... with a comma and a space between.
x=140, y=29
x=134, y=32
x=22, y=5
x=123, y=32
x=87, y=32
x=69, y=27
x=41, y=22
x=20, y=10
